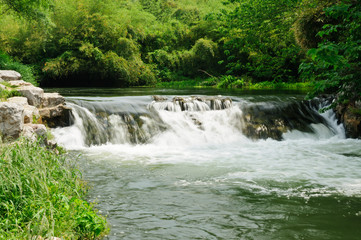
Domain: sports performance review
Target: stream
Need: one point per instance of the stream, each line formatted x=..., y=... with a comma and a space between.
x=182, y=167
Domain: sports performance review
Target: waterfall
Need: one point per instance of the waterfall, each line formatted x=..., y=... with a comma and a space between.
x=192, y=120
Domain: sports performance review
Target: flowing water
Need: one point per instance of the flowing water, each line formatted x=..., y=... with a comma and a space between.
x=185, y=169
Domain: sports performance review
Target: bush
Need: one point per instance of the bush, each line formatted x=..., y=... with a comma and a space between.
x=7, y=63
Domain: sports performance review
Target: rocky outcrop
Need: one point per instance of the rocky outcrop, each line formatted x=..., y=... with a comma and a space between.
x=57, y=116
x=27, y=114
x=350, y=116
x=9, y=75
x=34, y=94
x=19, y=83
x=271, y=121
x=52, y=100
x=31, y=113
x=192, y=103
x=11, y=120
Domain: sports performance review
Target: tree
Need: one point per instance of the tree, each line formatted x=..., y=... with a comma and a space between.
x=30, y=9
x=335, y=64
x=258, y=40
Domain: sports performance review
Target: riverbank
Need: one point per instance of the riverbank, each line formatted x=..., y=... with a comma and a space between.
x=235, y=83
x=42, y=194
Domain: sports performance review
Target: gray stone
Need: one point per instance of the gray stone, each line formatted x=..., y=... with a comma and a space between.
x=33, y=94
x=30, y=112
x=32, y=131
x=2, y=87
x=52, y=100
x=58, y=116
x=9, y=75
x=19, y=100
x=19, y=83
x=11, y=119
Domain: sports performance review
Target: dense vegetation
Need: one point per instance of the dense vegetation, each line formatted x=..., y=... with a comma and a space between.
x=41, y=196
x=223, y=43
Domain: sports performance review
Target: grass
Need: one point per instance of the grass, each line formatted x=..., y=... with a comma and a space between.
x=41, y=194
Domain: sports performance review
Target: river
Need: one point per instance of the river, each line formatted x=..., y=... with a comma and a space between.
x=158, y=172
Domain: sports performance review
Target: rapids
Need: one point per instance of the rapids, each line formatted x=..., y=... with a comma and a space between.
x=183, y=167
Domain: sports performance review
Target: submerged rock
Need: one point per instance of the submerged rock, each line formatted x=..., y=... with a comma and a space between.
x=271, y=121
x=159, y=98
x=193, y=103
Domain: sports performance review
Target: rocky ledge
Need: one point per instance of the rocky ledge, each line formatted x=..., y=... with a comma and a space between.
x=350, y=116
x=30, y=113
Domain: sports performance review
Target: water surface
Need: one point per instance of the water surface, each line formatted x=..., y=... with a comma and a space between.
x=211, y=182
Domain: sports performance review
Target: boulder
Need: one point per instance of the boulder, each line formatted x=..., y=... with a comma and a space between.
x=350, y=116
x=58, y=116
x=19, y=100
x=32, y=131
x=9, y=75
x=159, y=98
x=11, y=119
x=18, y=83
x=272, y=121
x=33, y=94
x=52, y=100
x=29, y=111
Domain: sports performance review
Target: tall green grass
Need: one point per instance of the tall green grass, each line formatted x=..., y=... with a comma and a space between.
x=41, y=194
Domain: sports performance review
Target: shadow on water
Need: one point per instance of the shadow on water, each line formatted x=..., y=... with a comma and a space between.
x=112, y=92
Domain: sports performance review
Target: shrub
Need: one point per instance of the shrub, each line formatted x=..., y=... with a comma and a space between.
x=7, y=63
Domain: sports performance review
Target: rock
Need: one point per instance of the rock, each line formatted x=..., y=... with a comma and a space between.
x=350, y=116
x=52, y=100
x=30, y=112
x=9, y=75
x=268, y=121
x=159, y=98
x=19, y=100
x=33, y=94
x=58, y=116
x=18, y=83
x=2, y=87
x=32, y=131
x=11, y=119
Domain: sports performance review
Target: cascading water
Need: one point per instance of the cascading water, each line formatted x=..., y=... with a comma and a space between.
x=194, y=167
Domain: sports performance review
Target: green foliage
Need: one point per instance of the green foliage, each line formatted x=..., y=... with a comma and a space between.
x=258, y=40
x=41, y=195
x=31, y=9
x=335, y=65
x=5, y=94
x=120, y=43
x=7, y=63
